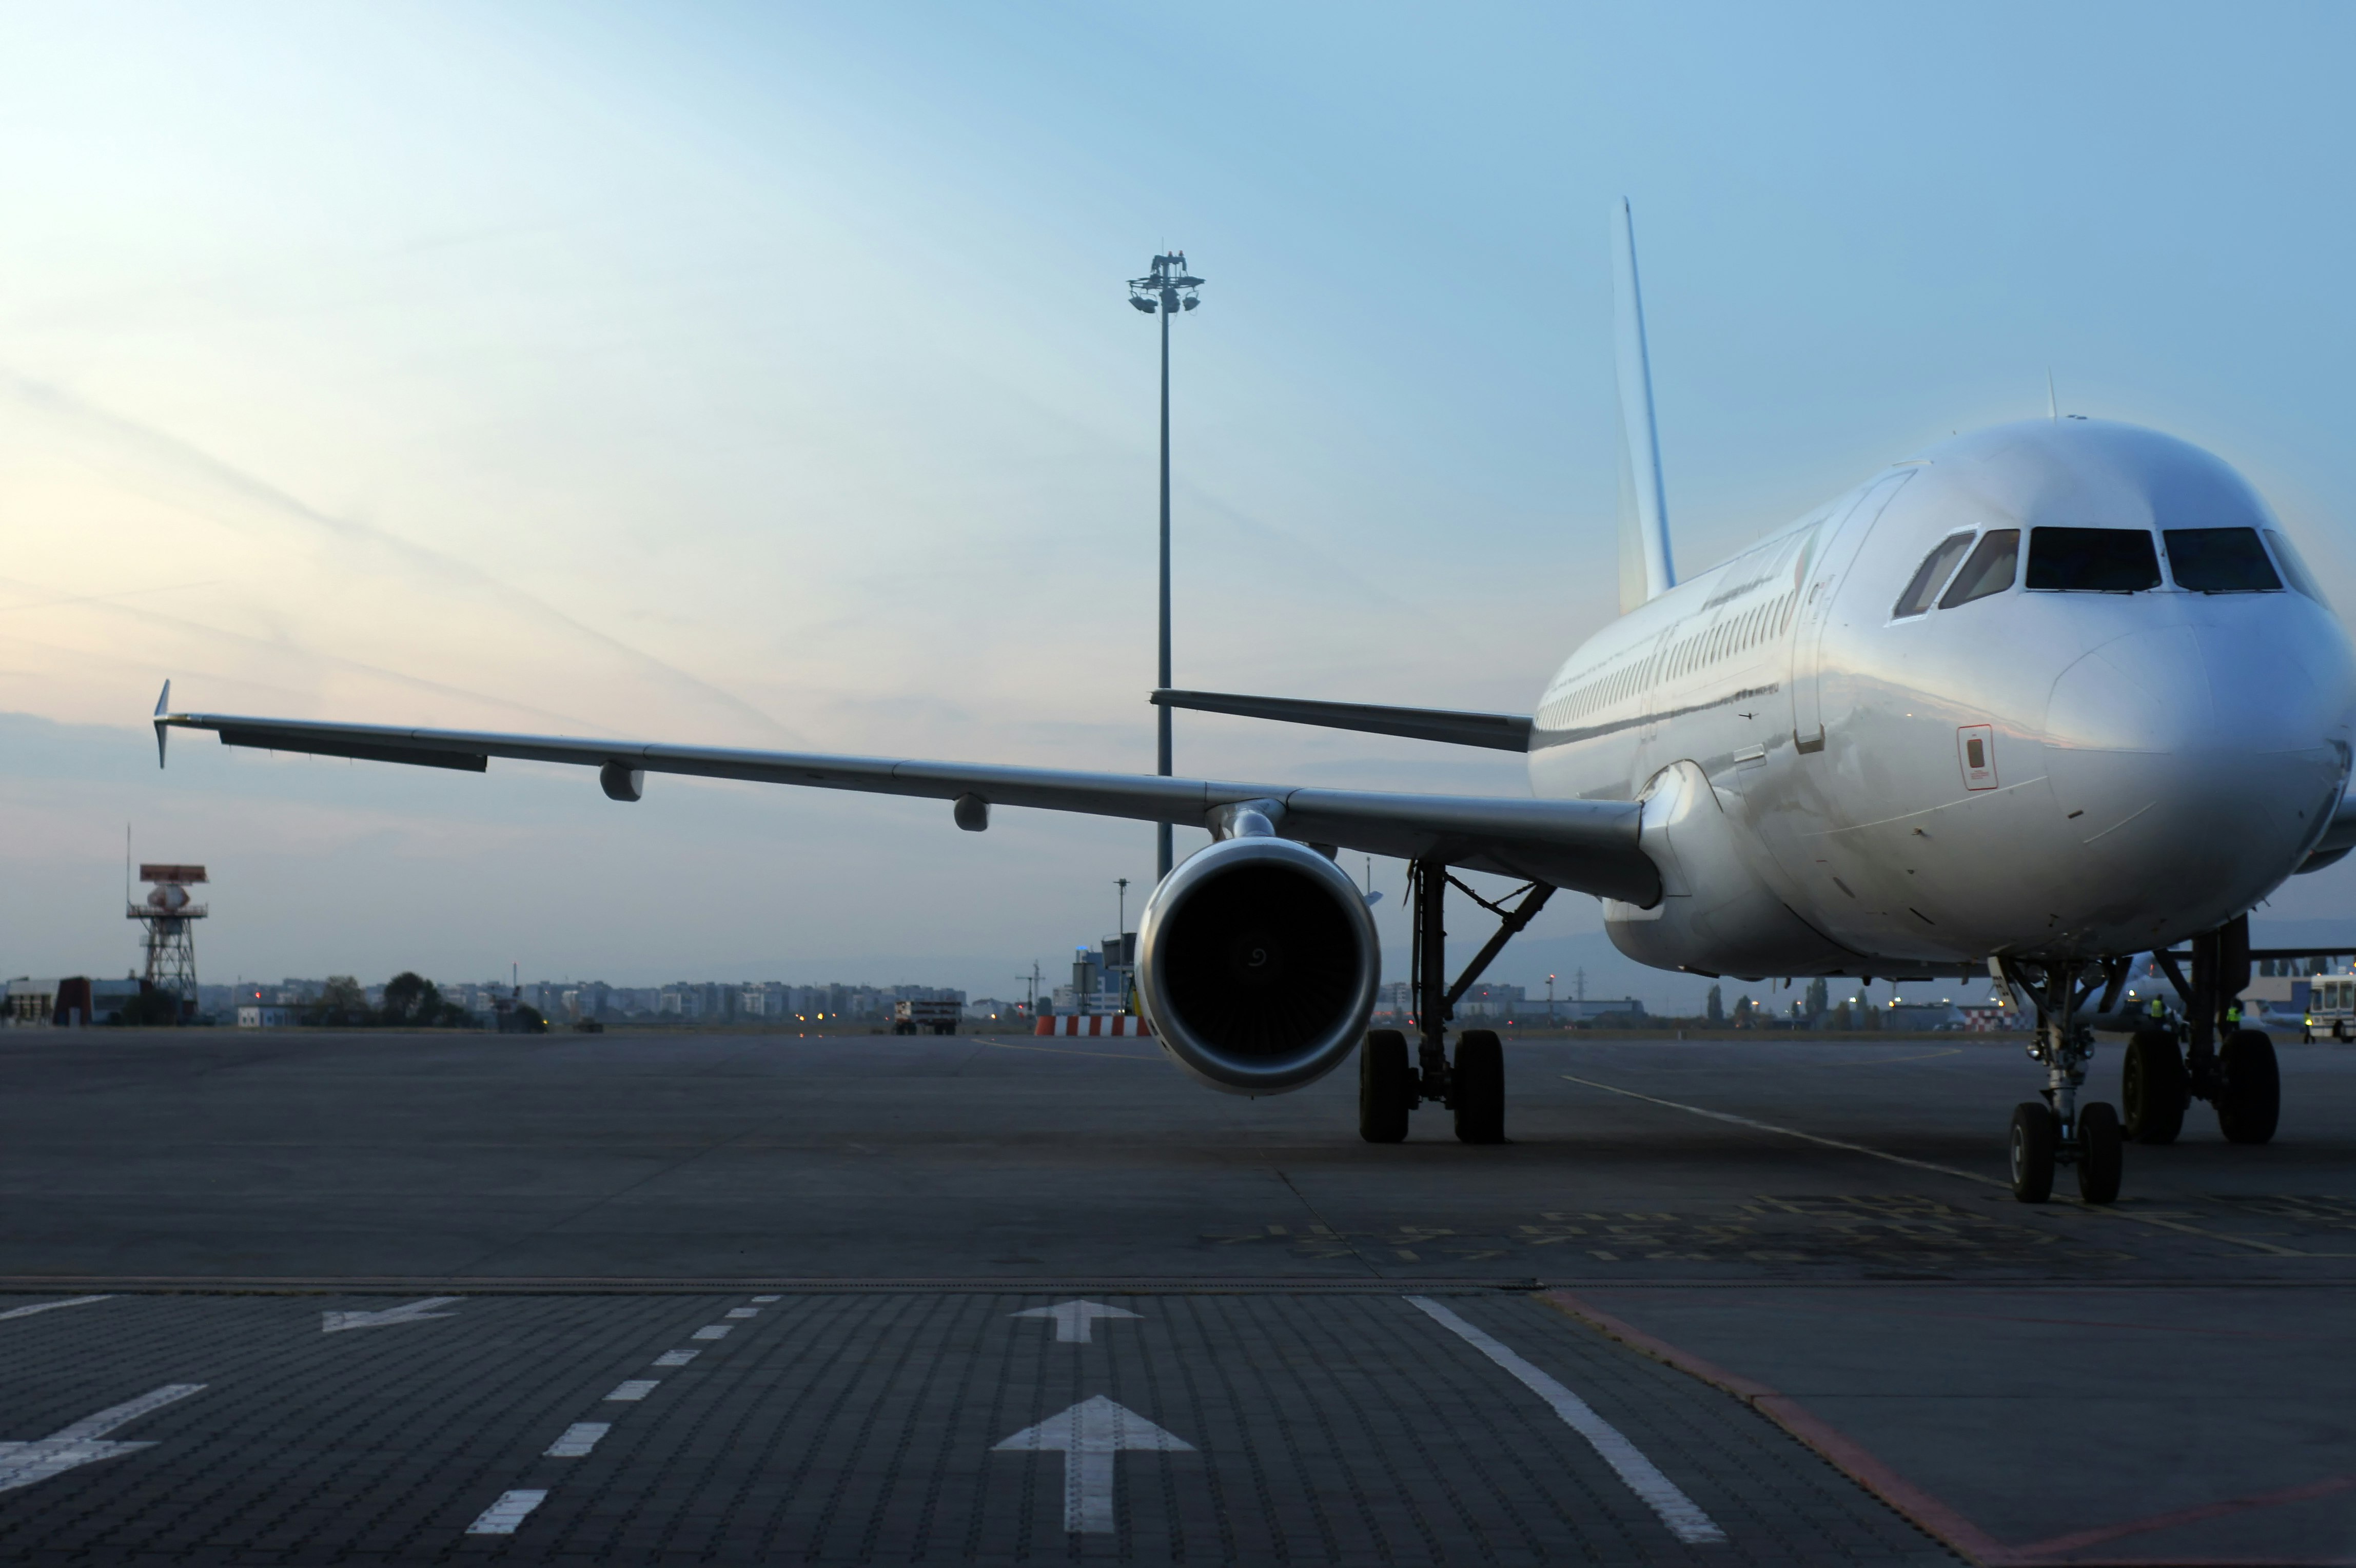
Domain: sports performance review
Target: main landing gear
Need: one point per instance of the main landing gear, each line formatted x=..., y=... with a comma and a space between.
x=2055, y=1129
x=1390, y=1086
x=2237, y=1075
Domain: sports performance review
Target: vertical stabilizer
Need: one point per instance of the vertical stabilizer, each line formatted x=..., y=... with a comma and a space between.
x=1639, y=441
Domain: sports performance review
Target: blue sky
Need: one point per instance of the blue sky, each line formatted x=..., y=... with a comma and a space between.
x=761, y=375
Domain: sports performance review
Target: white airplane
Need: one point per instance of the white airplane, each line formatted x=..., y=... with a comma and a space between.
x=2036, y=700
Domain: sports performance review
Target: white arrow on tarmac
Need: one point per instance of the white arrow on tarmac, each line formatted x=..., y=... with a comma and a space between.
x=1088, y=1435
x=415, y=1312
x=1075, y=1320
x=22, y=1463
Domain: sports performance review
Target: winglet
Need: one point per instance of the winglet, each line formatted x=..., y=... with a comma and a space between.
x=1640, y=438
x=163, y=704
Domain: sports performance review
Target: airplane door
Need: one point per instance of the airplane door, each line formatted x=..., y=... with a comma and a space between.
x=1841, y=545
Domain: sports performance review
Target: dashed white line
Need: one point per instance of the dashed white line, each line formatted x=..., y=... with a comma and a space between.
x=502, y=1517
x=50, y=1306
x=676, y=1358
x=744, y=1312
x=578, y=1439
x=766, y=1300
x=711, y=1331
x=1684, y=1517
x=634, y=1389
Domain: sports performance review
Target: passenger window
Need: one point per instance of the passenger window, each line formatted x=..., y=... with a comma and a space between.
x=1990, y=571
x=2220, y=560
x=1931, y=576
x=2092, y=561
x=2294, y=566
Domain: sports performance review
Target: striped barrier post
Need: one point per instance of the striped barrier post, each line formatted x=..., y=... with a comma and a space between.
x=1094, y=1024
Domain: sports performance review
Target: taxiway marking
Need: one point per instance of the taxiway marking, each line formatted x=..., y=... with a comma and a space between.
x=1088, y=1435
x=1684, y=1517
x=743, y=1312
x=633, y=1388
x=22, y=1463
x=415, y=1312
x=50, y=1306
x=676, y=1358
x=711, y=1331
x=502, y=1517
x=578, y=1439
x=1075, y=1320
x=2101, y=1209
x=766, y=1300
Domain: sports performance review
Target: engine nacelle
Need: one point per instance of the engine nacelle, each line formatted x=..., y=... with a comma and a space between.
x=1258, y=963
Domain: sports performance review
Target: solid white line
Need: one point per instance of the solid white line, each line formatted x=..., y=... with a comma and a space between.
x=50, y=1306
x=2101, y=1208
x=676, y=1358
x=710, y=1331
x=633, y=1388
x=578, y=1439
x=502, y=1517
x=1791, y=1133
x=1679, y=1512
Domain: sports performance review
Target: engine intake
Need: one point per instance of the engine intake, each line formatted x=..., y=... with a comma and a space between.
x=1258, y=963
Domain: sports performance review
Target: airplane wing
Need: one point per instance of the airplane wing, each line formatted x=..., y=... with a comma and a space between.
x=1588, y=846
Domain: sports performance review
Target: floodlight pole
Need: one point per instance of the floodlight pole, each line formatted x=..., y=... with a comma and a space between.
x=1159, y=292
x=1162, y=854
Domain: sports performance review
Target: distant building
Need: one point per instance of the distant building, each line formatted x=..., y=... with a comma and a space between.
x=262, y=1016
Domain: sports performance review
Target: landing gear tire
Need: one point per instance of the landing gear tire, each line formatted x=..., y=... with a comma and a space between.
x=1479, y=1087
x=1385, y=1087
x=2035, y=1134
x=2100, y=1149
x=2154, y=1087
x=2249, y=1100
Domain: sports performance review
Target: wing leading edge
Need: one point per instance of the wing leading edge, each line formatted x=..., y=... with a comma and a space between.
x=1588, y=846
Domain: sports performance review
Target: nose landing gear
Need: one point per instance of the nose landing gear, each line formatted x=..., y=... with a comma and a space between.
x=2055, y=1130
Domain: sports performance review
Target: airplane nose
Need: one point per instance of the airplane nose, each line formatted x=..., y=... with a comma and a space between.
x=2198, y=755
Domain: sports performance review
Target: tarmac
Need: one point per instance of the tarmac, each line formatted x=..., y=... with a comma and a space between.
x=299, y=1298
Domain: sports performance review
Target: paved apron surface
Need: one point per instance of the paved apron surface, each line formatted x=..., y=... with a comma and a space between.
x=1786, y=1296
x=873, y=1427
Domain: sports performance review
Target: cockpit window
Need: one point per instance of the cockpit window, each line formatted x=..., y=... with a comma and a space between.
x=1931, y=576
x=2220, y=560
x=2091, y=559
x=1990, y=571
x=2294, y=566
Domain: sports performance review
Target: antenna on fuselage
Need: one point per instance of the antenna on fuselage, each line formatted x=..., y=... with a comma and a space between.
x=1646, y=568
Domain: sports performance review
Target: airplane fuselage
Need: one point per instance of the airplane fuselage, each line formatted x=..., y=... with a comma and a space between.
x=1864, y=753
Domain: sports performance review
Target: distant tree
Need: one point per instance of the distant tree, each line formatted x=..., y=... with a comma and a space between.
x=1716, y=1008
x=1840, y=1019
x=342, y=1003
x=152, y=1006
x=412, y=1001
x=1817, y=1002
x=1742, y=1019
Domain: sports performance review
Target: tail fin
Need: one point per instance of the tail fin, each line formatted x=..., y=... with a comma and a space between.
x=1647, y=569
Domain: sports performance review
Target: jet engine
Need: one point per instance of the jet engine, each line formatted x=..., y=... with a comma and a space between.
x=1258, y=964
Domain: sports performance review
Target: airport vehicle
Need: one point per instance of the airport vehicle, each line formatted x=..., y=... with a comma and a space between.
x=924, y=1017
x=2033, y=700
